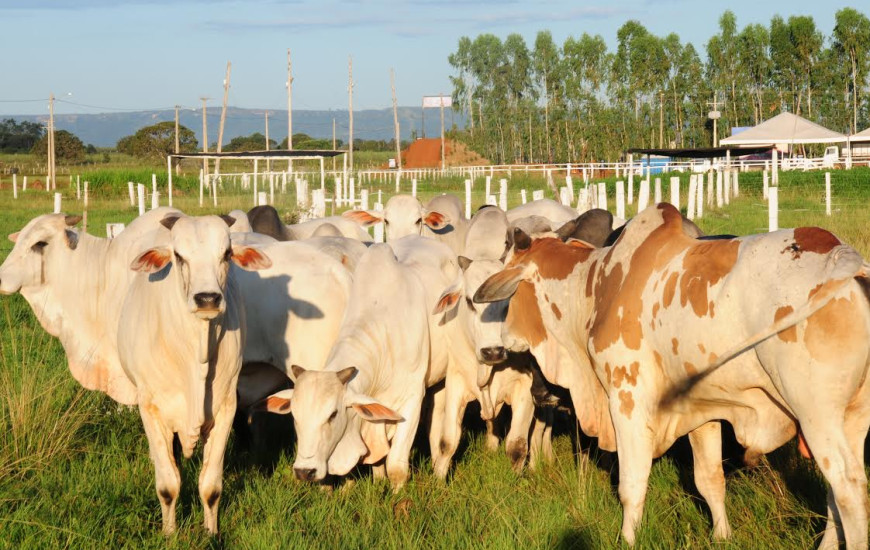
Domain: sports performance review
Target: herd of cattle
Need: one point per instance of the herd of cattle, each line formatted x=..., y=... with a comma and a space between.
x=655, y=330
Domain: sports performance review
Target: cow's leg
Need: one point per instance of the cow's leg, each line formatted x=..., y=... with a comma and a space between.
x=843, y=471
x=454, y=408
x=635, y=451
x=436, y=423
x=211, y=475
x=379, y=471
x=541, y=440
x=706, y=444
x=523, y=413
x=399, y=457
x=168, y=479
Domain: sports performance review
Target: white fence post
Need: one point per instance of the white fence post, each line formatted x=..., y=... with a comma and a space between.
x=658, y=190
x=78, y=188
x=699, y=202
x=602, y=196
x=773, y=209
x=719, y=197
x=675, y=192
x=414, y=187
x=569, y=183
x=133, y=194
x=363, y=199
x=620, y=199
x=690, y=208
x=57, y=200
x=141, y=192
x=503, y=195
x=828, y=193
x=643, y=195
x=155, y=199
x=766, y=183
x=261, y=198
x=379, y=227
x=14, y=187
x=467, y=199
x=523, y=198
x=538, y=194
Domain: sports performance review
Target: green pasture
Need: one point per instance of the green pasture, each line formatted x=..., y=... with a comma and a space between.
x=74, y=467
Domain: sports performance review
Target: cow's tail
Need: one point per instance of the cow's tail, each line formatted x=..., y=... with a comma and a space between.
x=843, y=265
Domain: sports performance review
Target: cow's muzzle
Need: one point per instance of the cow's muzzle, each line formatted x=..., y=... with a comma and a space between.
x=208, y=304
x=493, y=355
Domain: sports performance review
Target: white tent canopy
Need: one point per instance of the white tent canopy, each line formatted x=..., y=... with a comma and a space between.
x=862, y=136
x=785, y=128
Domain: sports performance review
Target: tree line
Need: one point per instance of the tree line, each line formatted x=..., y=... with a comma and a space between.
x=581, y=102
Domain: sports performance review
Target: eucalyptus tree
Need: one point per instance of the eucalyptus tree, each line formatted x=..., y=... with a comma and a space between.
x=753, y=47
x=852, y=39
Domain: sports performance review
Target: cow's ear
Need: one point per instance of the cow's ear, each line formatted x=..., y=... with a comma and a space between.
x=364, y=217
x=436, y=220
x=371, y=410
x=72, y=220
x=449, y=298
x=152, y=260
x=278, y=403
x=14, y=236
x=250, y=258
x=500, y=286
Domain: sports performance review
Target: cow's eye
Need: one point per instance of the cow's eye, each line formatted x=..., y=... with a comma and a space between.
x=39, y=246
x=332, y=416
x=386, y=222
x=470, y=303
x=228, y=254
x=178, y=258
x=419, y=221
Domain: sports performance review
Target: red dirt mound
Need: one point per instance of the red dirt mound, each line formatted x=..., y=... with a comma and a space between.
x=426, y=153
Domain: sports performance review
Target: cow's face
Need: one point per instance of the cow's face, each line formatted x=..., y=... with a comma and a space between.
x=402, y=216
x=200, y=253
x=484, y=321
x=531, y=264
x=45, y=239
x=324, y=410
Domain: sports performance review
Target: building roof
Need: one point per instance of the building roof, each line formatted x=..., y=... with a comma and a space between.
x=785, y=128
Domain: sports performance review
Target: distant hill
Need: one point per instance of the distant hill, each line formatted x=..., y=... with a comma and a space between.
x=105, y=129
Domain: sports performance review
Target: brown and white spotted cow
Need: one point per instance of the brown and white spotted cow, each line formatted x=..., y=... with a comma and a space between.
x=769, y=332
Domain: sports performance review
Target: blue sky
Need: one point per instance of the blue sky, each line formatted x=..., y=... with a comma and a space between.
x=150, y=54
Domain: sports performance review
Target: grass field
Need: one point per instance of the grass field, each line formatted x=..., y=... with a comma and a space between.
x=74, y=467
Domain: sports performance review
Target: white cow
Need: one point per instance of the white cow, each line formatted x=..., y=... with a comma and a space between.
x=75, y=284
x=549, y=209
x=295, y=306
x=180, y=339
x=476, y=345
x=365, y=404
x=403, y=215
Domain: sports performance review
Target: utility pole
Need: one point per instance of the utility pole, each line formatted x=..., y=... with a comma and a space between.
x=217, y=162
x=396, y=120
x=50, y=182
x=714, y=116
x=177, y=142
x=350, y=108
x=289, y=85
x=443, y=151
x=204, y=140
x=268, y=161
